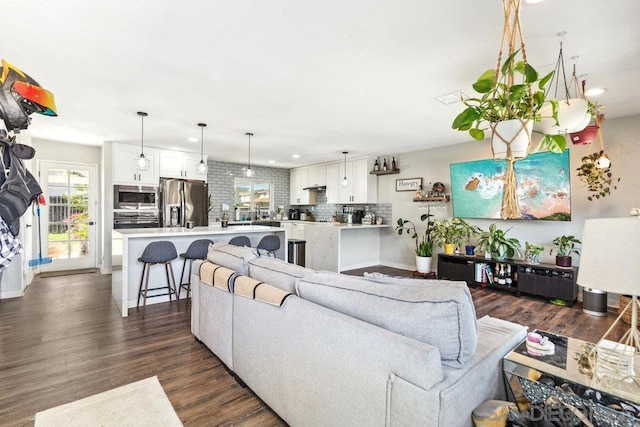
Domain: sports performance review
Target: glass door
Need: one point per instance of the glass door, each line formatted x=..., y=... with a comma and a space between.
x=68, y=218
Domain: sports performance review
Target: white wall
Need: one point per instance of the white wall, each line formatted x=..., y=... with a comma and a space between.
x=620, y=143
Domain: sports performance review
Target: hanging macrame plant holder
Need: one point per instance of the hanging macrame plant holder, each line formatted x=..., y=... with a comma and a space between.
x=589, y=134
x=510, y=139
x=573, y=110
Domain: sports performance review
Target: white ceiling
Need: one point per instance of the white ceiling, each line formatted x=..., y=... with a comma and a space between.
x=313, y=78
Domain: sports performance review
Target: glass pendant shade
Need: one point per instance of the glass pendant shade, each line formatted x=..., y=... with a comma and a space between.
x=345, y=181
x=249, y=172
x=202, y=166
x=142, y=162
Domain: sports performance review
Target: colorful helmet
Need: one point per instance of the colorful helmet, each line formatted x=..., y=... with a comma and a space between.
x=20, y=96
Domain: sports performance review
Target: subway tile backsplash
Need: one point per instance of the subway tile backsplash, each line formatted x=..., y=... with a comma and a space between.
x=220, y=177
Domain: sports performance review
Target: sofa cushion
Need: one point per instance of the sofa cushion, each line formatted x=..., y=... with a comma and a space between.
x=234, y=257
x=277, y=272
x=396, y=280
x=440, y=314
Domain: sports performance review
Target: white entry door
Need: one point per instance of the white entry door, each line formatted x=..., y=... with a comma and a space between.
x=68, y=230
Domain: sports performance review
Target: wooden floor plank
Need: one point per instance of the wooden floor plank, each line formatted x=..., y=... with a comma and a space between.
x=65, y=340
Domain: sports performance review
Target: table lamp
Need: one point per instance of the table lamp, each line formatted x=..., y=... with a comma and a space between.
x=610, y=261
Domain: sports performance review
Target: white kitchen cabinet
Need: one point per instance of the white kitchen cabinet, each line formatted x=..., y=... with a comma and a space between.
x=298, y=179
x=178, y=164
x=294, y=230
x=125, y=169
x=317, y=175
x=362, y=187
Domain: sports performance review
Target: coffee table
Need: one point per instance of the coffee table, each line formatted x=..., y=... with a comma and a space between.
x=564, y=386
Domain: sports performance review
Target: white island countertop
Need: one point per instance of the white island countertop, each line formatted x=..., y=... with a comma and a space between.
x=128, y=244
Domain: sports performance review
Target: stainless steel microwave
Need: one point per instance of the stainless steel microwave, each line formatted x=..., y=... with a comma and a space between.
x=135, y=197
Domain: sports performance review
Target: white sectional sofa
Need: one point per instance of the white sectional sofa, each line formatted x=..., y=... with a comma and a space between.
x=325, y=349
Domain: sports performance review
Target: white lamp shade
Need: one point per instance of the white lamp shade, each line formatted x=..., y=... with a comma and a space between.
x=610, y=258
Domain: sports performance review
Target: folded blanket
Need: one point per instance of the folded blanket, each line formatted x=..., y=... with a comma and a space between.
x=270, y=294
x=215, y=275
x=245, y=286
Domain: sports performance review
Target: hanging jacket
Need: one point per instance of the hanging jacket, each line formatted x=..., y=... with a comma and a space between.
x=18, y=187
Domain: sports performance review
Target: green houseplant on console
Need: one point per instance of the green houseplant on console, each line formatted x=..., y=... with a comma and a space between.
x=532, y=253
x=424, y=242
x=495, y=242
x=564, y=247
x=449, y=233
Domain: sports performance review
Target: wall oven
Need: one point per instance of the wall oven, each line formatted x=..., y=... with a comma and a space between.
x=135, y=197
x=136, y=219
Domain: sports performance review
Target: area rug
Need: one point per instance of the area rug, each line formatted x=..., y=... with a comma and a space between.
x=67, y=272
x=143, y=403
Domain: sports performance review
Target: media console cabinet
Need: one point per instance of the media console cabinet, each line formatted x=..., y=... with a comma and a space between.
x=545, y=280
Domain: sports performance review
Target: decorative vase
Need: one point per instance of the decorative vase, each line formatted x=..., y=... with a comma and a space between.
x=469, y=249
x=563, y=261
x=516, y=133
x=532, y=257
x=449, y=248
x=423, y=264
x=585, y=136
x=571, y=117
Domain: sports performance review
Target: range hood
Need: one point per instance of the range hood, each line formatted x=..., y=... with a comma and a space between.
x=315, y=187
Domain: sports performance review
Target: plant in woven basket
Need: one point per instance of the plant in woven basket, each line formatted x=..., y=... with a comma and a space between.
x=599, y=180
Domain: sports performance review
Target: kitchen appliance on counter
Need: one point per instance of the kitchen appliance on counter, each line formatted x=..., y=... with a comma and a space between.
x=183, y=201
x=357, y=216
x=135, y=197
x=136, y=219
x=294, y=213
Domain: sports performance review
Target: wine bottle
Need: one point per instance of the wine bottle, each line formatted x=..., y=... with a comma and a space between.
x=501, y=278
x=393, y=164
x=508, y=277
x=384, y=165
x=376, y=166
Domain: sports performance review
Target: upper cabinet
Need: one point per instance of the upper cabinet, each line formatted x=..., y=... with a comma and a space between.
x=178, y=164
x=299, y=179
x=316, y=175
x=125, y=168
x=362, y=186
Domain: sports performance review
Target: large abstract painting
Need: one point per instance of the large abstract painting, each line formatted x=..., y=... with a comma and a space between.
x=543, y=187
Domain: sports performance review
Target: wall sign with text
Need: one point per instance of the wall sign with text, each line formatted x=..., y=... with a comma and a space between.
x=408, y=184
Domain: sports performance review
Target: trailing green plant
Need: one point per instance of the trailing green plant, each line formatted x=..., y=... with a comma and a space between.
x=530, y=247
x=425, y=241
x=498, y=244
x=599, y=181
x=503, y=97
x=565, y=245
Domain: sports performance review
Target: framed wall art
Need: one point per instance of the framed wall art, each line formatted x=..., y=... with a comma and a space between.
x=408, y=184
x=543, y=187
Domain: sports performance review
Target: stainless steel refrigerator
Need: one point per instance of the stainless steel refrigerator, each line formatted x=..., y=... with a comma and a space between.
x=183, y=201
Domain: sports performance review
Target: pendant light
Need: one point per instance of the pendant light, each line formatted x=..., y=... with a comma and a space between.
x=142, y=162
x=345, y=181
x=249, y=173
x=202, y=166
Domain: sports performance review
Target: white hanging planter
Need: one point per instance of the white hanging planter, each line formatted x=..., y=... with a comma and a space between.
x=423, y=264
x=573, y=116
x=514, y=131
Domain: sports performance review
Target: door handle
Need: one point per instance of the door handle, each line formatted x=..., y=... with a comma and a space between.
x=91, y=223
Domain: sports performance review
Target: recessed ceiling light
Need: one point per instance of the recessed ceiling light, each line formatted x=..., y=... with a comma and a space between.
x=296, y=156
x=594, y=91
x=193, y=139
x=272, y=162
x=453, y=97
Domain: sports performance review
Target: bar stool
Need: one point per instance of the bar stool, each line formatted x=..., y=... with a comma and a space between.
x=270, y=244
x=240, y=241
x=161, y=252
x=197, y=250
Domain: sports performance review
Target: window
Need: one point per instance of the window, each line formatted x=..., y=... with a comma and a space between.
x=252, y=195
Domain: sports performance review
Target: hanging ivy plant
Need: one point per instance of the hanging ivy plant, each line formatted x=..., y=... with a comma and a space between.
x=599, y=181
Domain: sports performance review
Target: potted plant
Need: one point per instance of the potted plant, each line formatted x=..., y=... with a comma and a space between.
x=507, y=102
x=424, y=242
x=595, y=172
x=564, y=247
x=495, y=242
x=532, y=253
x=450, y=233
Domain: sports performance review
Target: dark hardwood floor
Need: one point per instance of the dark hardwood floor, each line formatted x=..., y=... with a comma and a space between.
x=65, y=340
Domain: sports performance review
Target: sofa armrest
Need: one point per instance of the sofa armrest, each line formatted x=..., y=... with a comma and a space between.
x=416, y=362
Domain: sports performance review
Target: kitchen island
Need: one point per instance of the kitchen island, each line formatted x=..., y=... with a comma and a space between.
x=337, y=246
x=128, y=245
